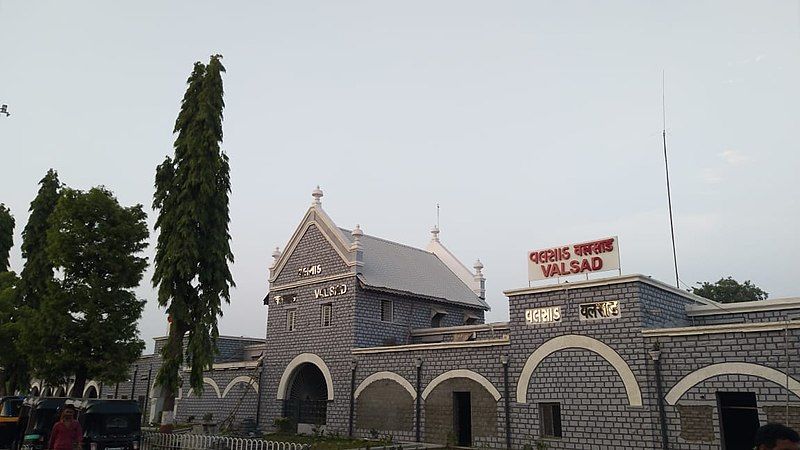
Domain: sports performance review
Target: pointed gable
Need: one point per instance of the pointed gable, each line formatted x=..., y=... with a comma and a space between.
x=314, y=252
x=316, y=242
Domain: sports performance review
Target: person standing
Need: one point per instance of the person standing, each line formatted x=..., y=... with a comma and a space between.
x=66, y=433
x=774, y=436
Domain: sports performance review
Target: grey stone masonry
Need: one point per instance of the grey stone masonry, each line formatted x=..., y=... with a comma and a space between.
x=592, y=364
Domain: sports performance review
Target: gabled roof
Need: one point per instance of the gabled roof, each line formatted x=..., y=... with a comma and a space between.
x=399, y=267
x=387, y=265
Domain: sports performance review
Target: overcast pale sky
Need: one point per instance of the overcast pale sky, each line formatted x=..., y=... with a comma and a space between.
x=531, y=123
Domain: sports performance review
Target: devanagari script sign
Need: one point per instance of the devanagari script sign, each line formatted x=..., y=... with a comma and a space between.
x=574, y=259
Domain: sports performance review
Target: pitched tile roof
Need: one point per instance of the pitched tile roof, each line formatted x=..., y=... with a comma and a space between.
x=398, y=267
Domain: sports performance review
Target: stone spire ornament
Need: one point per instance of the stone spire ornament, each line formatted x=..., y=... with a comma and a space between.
x=276, y=254
x=480, y=280
x=317, y=194
x=435, y=233
x=357, y=233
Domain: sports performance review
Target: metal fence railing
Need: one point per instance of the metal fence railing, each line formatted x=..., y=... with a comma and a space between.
x=165, y=441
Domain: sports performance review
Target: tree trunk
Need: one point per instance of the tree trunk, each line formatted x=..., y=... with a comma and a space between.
x=80, y=385
x=3, y=382
x=173, y=351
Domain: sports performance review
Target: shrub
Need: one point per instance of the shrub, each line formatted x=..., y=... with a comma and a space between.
x=283, y=424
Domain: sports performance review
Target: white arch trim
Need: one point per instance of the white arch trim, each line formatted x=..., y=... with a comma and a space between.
x=242, y=379
x=739, y=368
x=303, y=358
x=385, y=376
x=584, y=342
x=96, y=388
x=210, y=382
x=461, y=373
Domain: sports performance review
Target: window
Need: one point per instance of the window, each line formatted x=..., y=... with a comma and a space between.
x=291, y=315
x=550, y=419
x=436, y=320
x=327, y=314
x=387, y=310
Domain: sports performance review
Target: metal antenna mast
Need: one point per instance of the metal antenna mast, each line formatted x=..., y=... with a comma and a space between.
x=666, y=169
x=437, y=216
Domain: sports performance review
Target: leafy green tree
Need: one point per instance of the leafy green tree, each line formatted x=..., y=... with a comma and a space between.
x=728, y=290
x=36, y=278
x=193, y=248
x=13, y=368
x=6, y=237
x=94, y=243
x=37, y=273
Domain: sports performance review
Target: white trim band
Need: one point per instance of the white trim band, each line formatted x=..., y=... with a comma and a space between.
x=723, y=328
x=774, y=304
x=461, y=373
x=431, y=346
x=583, y=342
x=740, y=368
x=608, y=281
x=377, y=376
x=303, y=358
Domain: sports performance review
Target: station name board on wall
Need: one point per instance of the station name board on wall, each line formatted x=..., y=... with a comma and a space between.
x=543, y=315
x=330, y=291
x=599, y=310
x=574, y=259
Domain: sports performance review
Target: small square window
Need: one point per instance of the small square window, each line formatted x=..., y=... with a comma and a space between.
x=327, y=314
x=387, y=310
x=291, y=316
x=550, y=419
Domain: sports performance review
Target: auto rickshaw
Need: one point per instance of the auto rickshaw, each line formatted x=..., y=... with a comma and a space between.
x=9, y=419
x=36, y=419
x=109, y=424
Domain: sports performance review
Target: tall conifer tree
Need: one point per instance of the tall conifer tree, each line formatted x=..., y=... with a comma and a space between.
x=13, y=368
x=193, y=251
x=38, y=270
x=36, y=279
x=6, y=237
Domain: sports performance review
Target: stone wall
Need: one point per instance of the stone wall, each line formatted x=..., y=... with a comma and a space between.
x=385, y=406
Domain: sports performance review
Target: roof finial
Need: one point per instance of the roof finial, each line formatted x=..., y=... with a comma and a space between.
x=479, y=286
x=356, y=233
x=317, y=194
x=478, y=266
x=435, y=233
x=276, y=254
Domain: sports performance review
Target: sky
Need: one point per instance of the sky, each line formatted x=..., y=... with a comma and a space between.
x=532, y=124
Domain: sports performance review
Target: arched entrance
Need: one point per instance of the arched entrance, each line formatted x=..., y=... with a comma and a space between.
x=91, y=392
x=306, y=402
x=35, y=391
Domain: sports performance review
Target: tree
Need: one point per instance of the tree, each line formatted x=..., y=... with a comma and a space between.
x=94, y=243
x=36, y=278
x=6, y=237
x=13, y=367
x=38, y=270
x=728, y=290
x=193, y=248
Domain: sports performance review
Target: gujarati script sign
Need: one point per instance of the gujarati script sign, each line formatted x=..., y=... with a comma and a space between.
x=599, y=310
x=574, y=259
x=543, y=315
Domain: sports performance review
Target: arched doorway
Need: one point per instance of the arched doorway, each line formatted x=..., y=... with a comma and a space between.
x=91, y=392
x=48, y=392
x=35, y=391
x=61, y=392
x=307, y=399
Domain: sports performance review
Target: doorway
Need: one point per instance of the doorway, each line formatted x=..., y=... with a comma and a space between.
x=307, y=404
x=738, y=417
x=462, y=418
